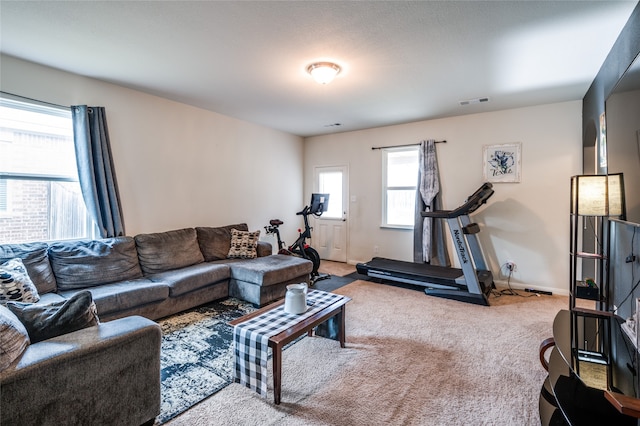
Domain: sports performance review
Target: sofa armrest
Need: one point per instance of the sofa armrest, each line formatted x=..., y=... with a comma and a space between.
x=264, y=249
x=106, y=374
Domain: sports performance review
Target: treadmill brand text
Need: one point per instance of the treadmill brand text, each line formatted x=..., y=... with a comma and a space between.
x=461, y=249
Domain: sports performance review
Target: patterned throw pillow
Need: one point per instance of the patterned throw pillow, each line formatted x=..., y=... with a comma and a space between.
x=243, y=244
x=15, y=284
x=13, y=338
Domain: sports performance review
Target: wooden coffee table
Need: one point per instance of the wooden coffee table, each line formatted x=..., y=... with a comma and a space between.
x=295, y=330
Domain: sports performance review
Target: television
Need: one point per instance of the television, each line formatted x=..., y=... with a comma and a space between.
x=319, y=203
x=624, y=292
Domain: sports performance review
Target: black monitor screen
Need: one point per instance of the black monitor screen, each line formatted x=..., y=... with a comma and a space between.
x=319, y=203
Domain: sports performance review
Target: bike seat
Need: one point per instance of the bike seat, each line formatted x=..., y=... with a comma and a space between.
x=275, y=222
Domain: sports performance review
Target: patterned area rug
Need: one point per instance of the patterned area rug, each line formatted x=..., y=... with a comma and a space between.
x=197, y=355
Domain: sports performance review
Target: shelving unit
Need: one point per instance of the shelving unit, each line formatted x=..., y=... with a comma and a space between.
x=589, y=325
x=583, y=334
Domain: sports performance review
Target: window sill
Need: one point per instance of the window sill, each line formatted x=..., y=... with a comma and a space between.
x=398, y=227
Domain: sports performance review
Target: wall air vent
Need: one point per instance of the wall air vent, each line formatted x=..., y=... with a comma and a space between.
x=474, y=101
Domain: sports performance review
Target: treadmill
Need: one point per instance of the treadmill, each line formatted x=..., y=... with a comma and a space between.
x=472, y=283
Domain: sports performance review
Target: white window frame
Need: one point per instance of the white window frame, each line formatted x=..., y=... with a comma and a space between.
x=6, y=177
x=386, y=188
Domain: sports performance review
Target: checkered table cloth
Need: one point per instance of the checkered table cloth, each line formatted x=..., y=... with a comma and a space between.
x=251, y=339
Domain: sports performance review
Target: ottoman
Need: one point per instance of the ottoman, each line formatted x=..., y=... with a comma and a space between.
x=265, y=279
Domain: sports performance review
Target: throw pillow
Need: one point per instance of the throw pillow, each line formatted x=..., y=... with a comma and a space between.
x=13, y=338
x=243, y=244
x=46, y=321
x=15, y=284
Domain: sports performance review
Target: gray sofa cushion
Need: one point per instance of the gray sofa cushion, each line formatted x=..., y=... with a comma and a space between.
x=36, y=260
x=81, y=264
x=264, y=248
x=169, y=250
x=46, y=321
x=50, y=298
x=216, y=242
x=120, y=296
x=270, y=270
x=192, y=277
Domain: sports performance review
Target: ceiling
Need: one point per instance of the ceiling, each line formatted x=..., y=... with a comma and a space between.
x=401, y=61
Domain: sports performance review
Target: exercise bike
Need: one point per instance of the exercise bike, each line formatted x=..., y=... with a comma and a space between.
x=300, y=248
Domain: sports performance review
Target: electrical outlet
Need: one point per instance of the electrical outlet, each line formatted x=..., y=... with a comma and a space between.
x=376, y=250
x=511, y=266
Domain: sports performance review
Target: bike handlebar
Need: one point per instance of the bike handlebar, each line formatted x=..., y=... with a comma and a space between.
x=306, y=212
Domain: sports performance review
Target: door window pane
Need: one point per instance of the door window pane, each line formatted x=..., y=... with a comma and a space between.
x=331, y=183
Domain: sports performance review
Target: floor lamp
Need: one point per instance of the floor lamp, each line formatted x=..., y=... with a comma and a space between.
x=593, y=198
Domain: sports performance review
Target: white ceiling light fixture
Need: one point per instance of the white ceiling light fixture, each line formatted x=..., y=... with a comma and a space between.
x=323, y=72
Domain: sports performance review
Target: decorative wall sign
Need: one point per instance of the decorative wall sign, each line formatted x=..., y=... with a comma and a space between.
x=501, y=163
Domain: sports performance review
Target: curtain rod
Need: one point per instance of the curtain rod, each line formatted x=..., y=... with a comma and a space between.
x=34, y=100
x=402, y=146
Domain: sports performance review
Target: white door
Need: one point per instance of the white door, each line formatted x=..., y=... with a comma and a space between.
x=330, y=229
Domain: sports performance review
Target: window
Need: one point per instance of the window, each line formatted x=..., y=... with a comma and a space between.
x=400, y=180
x=40, y=196
x=330, y=182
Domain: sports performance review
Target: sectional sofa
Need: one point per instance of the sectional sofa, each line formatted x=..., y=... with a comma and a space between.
x=156, y=275
x=132, y=280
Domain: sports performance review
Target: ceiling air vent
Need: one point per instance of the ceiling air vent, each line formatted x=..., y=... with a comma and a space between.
x=474, y=101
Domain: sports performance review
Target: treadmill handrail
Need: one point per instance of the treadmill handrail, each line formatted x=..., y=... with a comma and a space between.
x=475, y=201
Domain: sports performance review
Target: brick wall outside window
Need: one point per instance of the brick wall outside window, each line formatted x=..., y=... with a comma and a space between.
x=28, y=217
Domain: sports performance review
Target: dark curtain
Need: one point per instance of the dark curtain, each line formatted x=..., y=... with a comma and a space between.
x=95, y=169
x=429, y=243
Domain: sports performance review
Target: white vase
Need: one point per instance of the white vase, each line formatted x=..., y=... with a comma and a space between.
x=295, y=300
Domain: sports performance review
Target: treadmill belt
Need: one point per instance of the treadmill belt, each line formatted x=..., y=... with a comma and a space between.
x=418, y=269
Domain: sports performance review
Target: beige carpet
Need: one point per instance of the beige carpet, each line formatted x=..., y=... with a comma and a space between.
x=410, y=359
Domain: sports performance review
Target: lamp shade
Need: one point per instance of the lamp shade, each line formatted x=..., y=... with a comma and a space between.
x=597, y=195
x=616, y=195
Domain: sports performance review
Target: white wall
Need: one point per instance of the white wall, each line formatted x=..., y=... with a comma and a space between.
x=526, y=222
x=176, y=165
